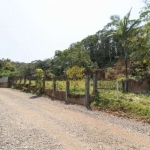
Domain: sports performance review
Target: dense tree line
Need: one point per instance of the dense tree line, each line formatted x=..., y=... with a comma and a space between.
x=121, y=38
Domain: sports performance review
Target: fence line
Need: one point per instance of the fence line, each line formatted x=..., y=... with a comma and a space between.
x=26, y=82
x=96, y=86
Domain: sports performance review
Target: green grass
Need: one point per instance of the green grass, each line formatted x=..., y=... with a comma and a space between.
x=128, y=104
x=48, y=84
x=27, y=82
x=76, y=87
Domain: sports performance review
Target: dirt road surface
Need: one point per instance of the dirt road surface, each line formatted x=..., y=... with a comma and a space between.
x=28, y=122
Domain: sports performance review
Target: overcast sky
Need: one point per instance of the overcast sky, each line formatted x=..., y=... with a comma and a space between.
x=34, y=29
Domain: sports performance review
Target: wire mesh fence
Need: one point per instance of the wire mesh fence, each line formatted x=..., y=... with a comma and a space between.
x=110, y=86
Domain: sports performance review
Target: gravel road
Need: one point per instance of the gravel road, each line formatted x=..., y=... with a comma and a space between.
x=28, y=122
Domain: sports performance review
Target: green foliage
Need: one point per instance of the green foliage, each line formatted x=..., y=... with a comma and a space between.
x=111, y=71
x=7, y=68
x=48, y=84
x=25, y=89
x=130, y=105
x=40, y=74
x=97, y=99
x=75, y=55
x=75, y=72
x=120, y=38
x=145, y=13
x=51, y=75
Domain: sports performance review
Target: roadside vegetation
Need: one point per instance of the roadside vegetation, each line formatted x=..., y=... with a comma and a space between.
x=126, y=105
x=121, y=39
x=115, y=102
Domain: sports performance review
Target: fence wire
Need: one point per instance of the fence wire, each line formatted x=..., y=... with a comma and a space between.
x=108, y=86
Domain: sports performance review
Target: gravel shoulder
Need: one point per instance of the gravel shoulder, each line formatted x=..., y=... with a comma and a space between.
x=28, y=122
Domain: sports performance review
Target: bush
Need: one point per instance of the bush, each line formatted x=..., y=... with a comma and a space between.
x=129, y=108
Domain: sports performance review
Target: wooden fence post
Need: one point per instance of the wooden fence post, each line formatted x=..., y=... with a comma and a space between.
x=43, y=90
x=14, y=81
x=24, y=80
x=94, y=83
x=125, y=85
x=36, y=83
x=87, y=91
x=54, y=86
x=67, y=90
x=29, y=80
x=20, y=80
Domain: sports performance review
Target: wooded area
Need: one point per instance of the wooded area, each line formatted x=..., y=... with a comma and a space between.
x=121, y=38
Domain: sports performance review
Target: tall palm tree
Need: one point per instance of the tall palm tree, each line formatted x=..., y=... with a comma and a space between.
x=123, y=29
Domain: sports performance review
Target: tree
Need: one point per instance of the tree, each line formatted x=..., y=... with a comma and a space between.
x=7, y=68
x=75, y=55
x=124, y=30
x=75, y=72
x=145, y=13
x=140, y=45
x=79, y=56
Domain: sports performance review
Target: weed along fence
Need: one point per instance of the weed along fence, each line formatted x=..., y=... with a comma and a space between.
x=75, y=91
x=107, y=86
x=104, y=87
x=78, y=91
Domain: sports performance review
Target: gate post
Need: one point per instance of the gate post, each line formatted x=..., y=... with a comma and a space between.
x=87, y=91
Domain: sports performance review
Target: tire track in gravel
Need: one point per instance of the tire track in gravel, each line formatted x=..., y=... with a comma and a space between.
x=54, y=119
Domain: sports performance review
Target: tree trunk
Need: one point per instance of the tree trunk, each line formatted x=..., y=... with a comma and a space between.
x=126, y=70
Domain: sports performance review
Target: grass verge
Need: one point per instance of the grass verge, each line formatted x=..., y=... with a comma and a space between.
x=127, y=105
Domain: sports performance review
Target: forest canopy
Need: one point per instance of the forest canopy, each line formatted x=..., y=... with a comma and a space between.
x=124, y=38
